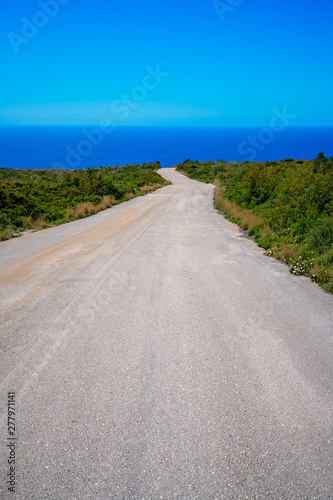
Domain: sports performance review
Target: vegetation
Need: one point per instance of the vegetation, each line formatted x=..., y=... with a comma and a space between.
x=286, y=205
x=34, y=199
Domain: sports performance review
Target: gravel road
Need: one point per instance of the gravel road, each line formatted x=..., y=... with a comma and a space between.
x=157, y=353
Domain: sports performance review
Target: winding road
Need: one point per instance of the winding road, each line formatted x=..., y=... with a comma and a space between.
x=156, y=353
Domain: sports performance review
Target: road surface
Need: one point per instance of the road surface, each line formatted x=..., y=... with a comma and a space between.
x=157, y=353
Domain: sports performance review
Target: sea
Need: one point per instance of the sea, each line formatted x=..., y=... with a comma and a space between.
x=77, y=147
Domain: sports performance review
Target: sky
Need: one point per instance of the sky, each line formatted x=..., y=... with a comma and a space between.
x=178, y=62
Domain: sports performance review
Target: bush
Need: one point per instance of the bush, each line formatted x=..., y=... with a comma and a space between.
x=328, y=287
x=4, y=220
x=321, y=235
x=256, y=230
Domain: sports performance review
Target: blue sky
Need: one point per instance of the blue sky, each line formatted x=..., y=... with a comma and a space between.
x=184, y=62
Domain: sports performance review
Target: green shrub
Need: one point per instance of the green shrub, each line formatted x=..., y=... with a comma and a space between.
x=4, y=220
x=321, y=235
x=266, y=241
x=256, y=230
x=328, y=287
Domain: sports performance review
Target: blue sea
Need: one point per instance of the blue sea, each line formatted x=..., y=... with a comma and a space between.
x=80, y=147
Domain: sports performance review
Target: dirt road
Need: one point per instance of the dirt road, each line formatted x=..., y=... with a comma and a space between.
x=156, y=353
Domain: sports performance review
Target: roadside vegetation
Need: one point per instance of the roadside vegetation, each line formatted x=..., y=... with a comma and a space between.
x=32, y=199
x=286, y=205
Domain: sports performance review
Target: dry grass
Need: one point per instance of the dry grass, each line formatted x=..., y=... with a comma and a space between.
x=287, y=252
x=250, y=220
x=27, y=222
x=70, y=213
x=108, y=202
x=5, y=235
x=148, y=189
x=128, y=196
x=247, y=218
x=41, y=223
x=88, y=208
x=85, y=209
